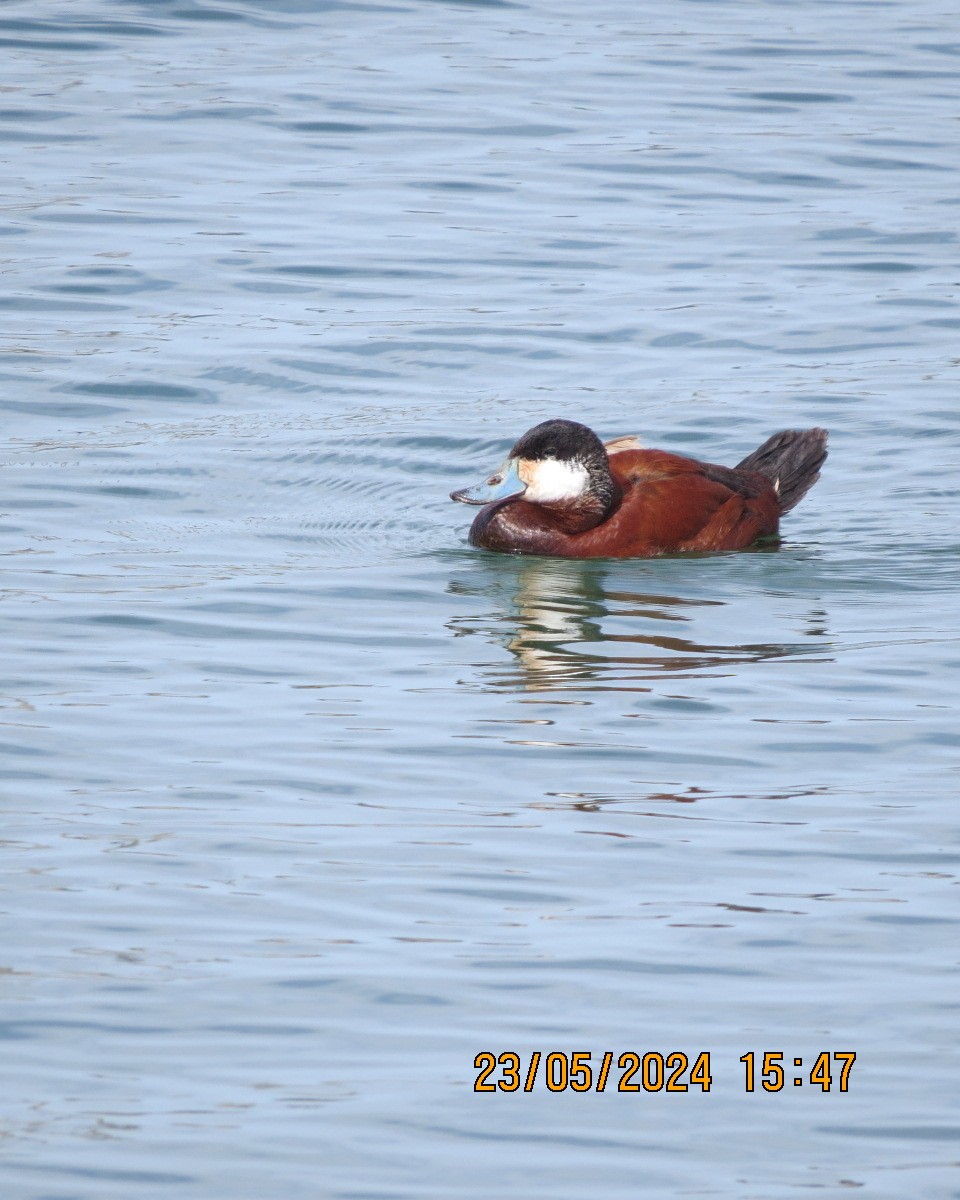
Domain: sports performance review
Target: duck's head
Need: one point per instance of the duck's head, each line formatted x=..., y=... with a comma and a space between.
x=558, y=464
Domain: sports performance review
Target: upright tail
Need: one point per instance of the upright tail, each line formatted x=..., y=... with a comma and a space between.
x=792, y=460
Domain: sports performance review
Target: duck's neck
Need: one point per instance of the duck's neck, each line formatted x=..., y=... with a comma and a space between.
x=589, y=509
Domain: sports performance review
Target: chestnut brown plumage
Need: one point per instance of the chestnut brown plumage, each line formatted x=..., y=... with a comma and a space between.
x=572, y=499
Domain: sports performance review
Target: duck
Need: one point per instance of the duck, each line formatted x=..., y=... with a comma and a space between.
x=563, y=493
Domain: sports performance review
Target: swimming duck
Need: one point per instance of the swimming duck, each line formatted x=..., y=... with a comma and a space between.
x=562, y=492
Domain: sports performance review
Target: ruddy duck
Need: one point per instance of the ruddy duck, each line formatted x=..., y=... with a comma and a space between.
x=562, y=492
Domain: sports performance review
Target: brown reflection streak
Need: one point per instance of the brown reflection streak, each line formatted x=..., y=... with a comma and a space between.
x=555, y=609
x=593, y=802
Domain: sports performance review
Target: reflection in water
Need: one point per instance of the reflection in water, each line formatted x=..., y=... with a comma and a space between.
x=660, y=794
x=563, y=622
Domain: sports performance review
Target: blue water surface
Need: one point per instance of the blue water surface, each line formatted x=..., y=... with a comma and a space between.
x=307, y=802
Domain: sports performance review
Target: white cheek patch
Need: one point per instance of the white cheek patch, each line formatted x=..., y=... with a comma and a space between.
x=549, y=480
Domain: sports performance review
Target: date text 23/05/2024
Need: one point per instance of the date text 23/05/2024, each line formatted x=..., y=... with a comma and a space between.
x=653, y=1071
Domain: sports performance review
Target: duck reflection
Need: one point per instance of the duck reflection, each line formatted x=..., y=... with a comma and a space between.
x=581, y=625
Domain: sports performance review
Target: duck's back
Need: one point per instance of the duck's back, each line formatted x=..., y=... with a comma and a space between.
x=673, y=503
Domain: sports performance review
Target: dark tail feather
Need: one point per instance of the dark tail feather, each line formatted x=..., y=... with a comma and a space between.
x=792, y=459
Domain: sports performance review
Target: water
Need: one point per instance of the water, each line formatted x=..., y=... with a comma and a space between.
x=307, y=802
